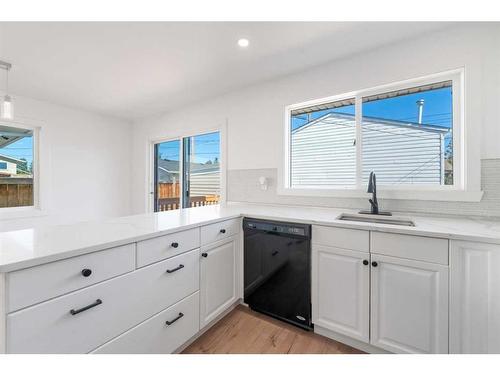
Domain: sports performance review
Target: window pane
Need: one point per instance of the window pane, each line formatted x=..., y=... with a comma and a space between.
x=323, y=149
x=167, y=167
x=202, y=174
x=408, y=136
x=16, y=167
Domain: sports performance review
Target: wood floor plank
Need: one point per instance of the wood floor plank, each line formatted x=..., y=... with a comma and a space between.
x=244, y=331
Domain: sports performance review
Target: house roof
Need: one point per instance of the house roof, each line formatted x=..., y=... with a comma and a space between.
x=168, y=168
x=11, y=159
x=374, y=120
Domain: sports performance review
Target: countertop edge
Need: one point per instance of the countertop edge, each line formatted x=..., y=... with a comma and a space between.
x=16, y=266
x=23, y=264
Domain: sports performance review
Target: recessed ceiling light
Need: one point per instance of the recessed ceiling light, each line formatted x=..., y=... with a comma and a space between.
x=243, y=42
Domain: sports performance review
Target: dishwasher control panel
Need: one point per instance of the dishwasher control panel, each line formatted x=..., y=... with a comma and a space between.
x=275, y=227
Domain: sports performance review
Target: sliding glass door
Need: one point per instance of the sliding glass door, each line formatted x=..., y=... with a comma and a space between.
x=187, y=172
x=167, y=176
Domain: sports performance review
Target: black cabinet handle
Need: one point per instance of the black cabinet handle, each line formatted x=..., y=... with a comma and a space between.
x=174, y=320
x=223, y=231
x=86, y=272
x=176, y=268
x=365, y=262
x=275, y=252
x=78, y=311
x=374, y=264
x=174, y=245
x=204, y=255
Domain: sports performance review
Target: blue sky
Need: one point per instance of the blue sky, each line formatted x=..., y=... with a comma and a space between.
x=20, y=149
x=205, y=147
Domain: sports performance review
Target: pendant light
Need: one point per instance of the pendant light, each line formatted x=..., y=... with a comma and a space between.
x=6, y=108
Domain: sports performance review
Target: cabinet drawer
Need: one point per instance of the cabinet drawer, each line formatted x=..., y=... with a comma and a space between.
x=219, y=231
x=126, y=301
x=169, y=281
x=155, y=336
x=427, y=249
x=36, y=284
x=51, y=328
x=156, y=249
x=350, y=239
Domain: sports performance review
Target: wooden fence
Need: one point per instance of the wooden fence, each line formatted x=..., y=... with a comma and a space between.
x=168, y=190
x=169, y=197
x=167, y=204
x=16, y=192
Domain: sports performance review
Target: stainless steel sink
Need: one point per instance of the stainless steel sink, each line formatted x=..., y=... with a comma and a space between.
x=378, y=219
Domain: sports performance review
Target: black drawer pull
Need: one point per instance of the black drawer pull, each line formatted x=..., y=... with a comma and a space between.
x=204, y=255
x=78, y=311
x=223, y=231
x=86, y=272
x=176, y=268
x=374, y=264
x=365, y=262
x=275, y=252
x=176, y=319
x=174, y=245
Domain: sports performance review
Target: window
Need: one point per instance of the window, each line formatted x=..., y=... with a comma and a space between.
x=408, y=134
x=187, y=172
x=16, y=167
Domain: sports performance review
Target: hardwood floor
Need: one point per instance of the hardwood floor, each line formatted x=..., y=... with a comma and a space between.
x=244, y=331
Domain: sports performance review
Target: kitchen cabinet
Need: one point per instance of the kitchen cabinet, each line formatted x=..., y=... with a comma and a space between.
x=409, y=305
x=475, y=297
x=341, y=291
x=218, y=280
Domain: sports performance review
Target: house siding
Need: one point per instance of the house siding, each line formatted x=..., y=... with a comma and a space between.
x=401, y=155
x=324, y=153
x=205, y=184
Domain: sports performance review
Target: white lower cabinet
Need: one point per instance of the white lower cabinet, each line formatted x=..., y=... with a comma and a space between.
x=341, y=291
x=83, y=320
x=218, y=280
x=161, y=334
x=409, y=305
x=475, y=297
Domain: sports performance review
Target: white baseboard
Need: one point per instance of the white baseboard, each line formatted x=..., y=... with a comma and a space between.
x=349, y=341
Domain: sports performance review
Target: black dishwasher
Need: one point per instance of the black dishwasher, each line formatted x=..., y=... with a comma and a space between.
x=277, y=270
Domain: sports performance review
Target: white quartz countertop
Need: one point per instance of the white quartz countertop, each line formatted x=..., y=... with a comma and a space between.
x=42, y=244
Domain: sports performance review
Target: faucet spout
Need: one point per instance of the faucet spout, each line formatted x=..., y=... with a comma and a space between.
x=372, y=188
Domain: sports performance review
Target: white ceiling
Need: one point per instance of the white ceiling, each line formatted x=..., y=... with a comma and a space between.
x=131, y=70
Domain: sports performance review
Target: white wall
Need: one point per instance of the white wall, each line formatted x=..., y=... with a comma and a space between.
x=84, y=164
x=255, y=115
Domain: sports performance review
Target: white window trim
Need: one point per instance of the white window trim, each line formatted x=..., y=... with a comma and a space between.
x=464, y=189
x=36, y=209
x=222, y=129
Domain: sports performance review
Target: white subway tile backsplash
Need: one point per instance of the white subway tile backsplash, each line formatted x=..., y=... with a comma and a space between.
x=243, y=186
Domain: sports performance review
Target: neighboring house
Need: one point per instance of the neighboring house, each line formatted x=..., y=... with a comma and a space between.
x=205, y=178
x=323, y=151
x=8, y=166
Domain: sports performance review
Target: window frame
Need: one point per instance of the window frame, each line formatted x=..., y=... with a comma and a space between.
x=150, y=204
x=36, y=208
x=457, y=191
